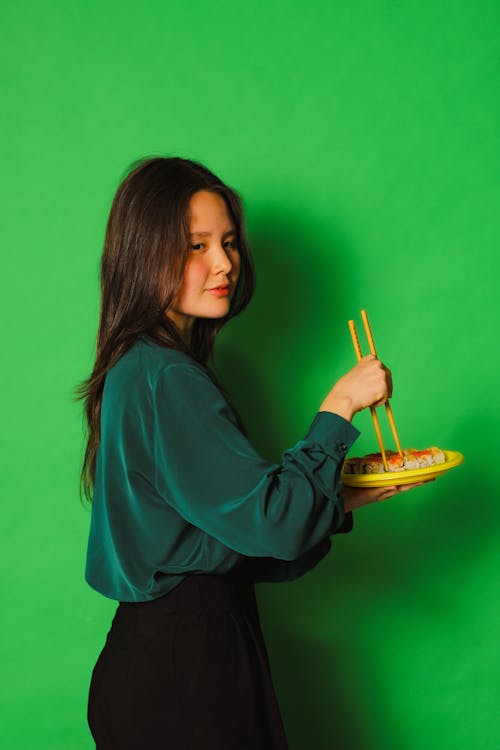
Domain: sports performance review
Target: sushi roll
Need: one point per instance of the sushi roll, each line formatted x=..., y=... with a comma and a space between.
x=415, y=459
x=351, y=465
x=410, y=460
x=372, y=464
x=424, y=458
x=394, y=461
x=438, y=456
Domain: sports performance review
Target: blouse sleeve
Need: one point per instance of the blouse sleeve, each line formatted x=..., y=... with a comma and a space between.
x=208, y=471
x=271, y=570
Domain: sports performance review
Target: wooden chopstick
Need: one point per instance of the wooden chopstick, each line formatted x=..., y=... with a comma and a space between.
x=390, y=417
x=357, y=349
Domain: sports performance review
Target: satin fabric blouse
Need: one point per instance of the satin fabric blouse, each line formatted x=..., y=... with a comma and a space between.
x=180, y=489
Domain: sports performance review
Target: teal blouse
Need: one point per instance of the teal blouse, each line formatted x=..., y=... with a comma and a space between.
x=180, y=489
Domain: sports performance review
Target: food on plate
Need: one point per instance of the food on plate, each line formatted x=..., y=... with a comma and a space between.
x=372, y=463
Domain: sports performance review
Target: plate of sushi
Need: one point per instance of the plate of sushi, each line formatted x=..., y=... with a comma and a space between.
x=401, y=466
x=412, y=466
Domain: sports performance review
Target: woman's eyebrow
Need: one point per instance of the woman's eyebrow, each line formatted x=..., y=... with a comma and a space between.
x=209, y=234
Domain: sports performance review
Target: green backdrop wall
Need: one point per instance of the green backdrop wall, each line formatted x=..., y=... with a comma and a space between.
x=363, y=137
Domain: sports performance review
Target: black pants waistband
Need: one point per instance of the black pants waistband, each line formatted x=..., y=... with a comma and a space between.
x=200, y=592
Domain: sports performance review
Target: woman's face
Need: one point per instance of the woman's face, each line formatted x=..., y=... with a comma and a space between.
x=213, y=266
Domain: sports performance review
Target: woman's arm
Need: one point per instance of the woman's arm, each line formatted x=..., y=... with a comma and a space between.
x=210, y=473
x=271, y=570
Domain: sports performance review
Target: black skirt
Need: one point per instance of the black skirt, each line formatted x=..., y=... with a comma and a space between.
x=187, y=671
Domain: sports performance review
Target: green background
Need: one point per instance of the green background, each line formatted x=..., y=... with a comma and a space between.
x=363, y=137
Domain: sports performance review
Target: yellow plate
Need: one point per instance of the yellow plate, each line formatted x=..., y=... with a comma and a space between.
x=394, y=478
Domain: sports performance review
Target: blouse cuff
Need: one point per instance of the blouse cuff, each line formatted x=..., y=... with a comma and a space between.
x=334, y=433
x=347, y=524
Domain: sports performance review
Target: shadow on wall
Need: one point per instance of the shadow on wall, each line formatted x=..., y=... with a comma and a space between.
x=321, y=708
x=399, y=553
x=272, y=341
x=273, y=345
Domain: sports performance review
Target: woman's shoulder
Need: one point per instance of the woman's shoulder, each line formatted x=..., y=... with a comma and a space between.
x=152, y=353
x=149, y=374
x=146, y=360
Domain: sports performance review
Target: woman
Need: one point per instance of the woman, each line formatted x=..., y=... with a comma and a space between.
x=186, y=515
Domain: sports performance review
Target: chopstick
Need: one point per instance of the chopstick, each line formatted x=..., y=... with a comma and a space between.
x=357, y=349
x=390, y=417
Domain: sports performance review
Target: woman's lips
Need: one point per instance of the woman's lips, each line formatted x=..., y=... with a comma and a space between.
x=220, y=291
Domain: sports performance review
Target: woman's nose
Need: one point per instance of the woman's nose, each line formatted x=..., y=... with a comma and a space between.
x=222, y=262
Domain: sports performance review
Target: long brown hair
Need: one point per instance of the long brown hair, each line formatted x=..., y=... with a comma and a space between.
x=146, y=247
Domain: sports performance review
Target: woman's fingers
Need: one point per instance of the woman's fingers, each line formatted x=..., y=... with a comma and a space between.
x=356, y=497
x=386, y=492
x=405, y=487
x=387, y=385
x=389, y=382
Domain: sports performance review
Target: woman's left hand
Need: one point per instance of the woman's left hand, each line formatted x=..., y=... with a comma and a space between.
x=356, y=497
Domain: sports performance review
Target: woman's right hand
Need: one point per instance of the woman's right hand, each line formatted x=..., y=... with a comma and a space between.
x=356, y=497
x=369, y=383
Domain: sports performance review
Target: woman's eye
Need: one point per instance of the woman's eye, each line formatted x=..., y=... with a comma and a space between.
x=228, y=244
